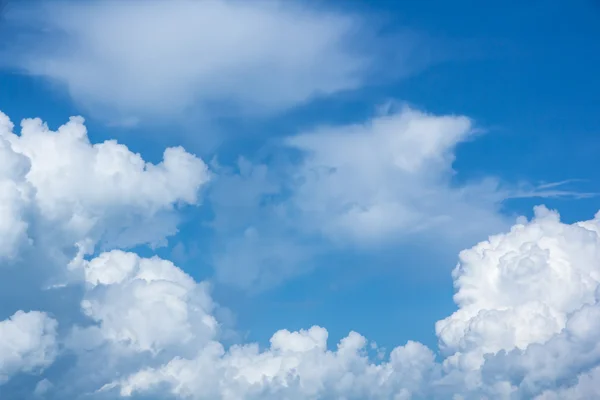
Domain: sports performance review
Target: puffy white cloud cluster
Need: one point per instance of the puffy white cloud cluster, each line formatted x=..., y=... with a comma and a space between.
x=62, y=197
x=296, y=366
x=528, y=300
x=28, y=342
x=520, y=288
x=60, y=183
x=526, y=324
x=145, y=304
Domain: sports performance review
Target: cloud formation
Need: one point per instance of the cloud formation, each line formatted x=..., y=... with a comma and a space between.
x=64, y=198
x=388, y=177
x=28, y=343
x=145, y=304
x=385, y=181
x=127, y=60
x=88, y=193
x=526, y=325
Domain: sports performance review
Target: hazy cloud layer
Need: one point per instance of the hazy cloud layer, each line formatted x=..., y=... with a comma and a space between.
x=384, y=182
x=126, y=60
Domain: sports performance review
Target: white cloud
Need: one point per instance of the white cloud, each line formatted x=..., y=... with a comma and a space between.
x=145, y=304
x=153, y=59
x=521, y=288
x=585, y=388
x=142, y=312
x=296, y=366
x=391, y=177
x=385, y=181
x=528, y=300
x=60, y=183
x=28, y=343
x=13, y=199
x=62, y=198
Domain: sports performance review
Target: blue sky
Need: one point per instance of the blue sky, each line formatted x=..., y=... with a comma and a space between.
x=524, y=75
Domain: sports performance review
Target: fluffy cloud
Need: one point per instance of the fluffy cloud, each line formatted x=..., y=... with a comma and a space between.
x=585, y=388
x=528, y=300
x=87, y=193
x=526, y=324
x=132, y=59
x=62, y=199
x=28, y=343
x=520, y=288
x=296, y=366
x=13, y=198
x=145, y=304
x=526, y=304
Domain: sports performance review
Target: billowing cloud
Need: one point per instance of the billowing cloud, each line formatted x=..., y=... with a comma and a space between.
x=520, y=288
x=145, y=304
x=528, y=300
x=64, y=198
x=129, y=59
x=525, y=326
x=296, y=366
x=28, y=343
x=87, y=193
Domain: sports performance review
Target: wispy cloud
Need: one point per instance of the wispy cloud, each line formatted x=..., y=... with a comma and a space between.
x=552, y=189
x=125, y=60
x=384, y=182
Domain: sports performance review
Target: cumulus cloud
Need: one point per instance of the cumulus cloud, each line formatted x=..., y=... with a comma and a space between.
x=64, y=198
x=525, y=298
x=296, y=366
x=526, y=325
x=585, y=388
x=28, y=343
x=528, y=300
x=522, y=287
x=145, y=304
x=87, y=193
x=129, y=59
